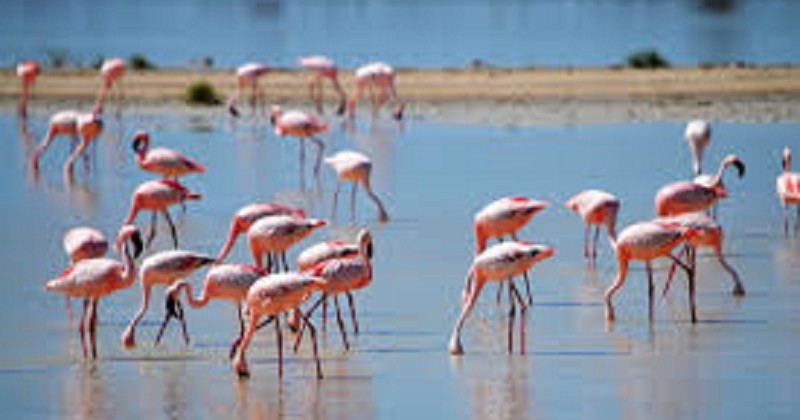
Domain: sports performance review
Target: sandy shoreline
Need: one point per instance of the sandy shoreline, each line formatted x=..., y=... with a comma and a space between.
x=486, y=96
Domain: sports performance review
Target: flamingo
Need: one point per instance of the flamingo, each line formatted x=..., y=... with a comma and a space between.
x=274, y=235
x=378, y=77
x=271, y=296
x=344, y=272
x=73, y=124
x=249, y=214
x=689, y=197
x=698, y=136
x=787, y=185
x=111, y=71
x=708, y=234
x=222, y=282
x=247, y=76
x=354, y=167
x=27, y=72
x=164, y=268
x=94, y=278
x=82, y=243
x=646, y=241
x=302, y=125
x=598, y=208
x=162, y=161
x=156, y=196
x=321, y=68
x=500, y=262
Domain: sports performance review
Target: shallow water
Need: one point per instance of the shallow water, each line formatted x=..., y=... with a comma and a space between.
x=442, y=33
x=738, y=362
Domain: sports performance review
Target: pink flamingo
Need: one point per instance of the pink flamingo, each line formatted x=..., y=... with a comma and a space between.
x=379, y=79
x=597, y=208
x=156, y=196
x=27, y=72
x=354, y=167
x=73, y=124
x=302, y=125
x=689, y=197
x=787, y=185
x=94, y=278
x=162, y=161
x=247, y=76
x=82, y=243
x=164, y=268
x=271, y=296
x=323, y=68
x=646, y=241
x=698, y=136
x=244, y=218
x=500, y=262
x=274, y=235
x=111, y=71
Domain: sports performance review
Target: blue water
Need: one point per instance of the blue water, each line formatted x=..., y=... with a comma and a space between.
x=437, y=33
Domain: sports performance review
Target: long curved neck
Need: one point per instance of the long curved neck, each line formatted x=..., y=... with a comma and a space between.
x=722, y=166
x=129, y=267
x=364, y=255
x=233, y=233
x=199, y=302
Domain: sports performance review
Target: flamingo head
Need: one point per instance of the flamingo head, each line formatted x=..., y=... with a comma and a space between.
x=538, y=252
x=129, y=233
x=736, y=162
x=141, y=141
x=787, y=159
x=317, y=223
x=274, y=114
x=365, y=242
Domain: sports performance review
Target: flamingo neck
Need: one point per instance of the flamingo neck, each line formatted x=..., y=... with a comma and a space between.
x=129, y=266
x=198, y=302
x=233, y=233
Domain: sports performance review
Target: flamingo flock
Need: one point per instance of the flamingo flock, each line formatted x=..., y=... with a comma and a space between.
x=268, y=288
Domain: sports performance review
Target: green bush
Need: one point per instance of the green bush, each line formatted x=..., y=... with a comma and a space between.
x=140, y=62
x=647, y=59
x=201, y=93
x=58, y=58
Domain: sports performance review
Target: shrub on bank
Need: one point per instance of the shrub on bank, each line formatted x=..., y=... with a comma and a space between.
x=647, y=59
x=140, y=62
x=201, y=93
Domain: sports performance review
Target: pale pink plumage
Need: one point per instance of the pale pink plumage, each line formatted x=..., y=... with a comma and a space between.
x=162, y=161
x=355, y=168
x=249, y=214
x=274, y=235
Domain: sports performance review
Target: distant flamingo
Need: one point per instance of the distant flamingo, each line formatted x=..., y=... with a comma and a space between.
x=27, y=72
x=788, y=188
x=156, y=196
x=500, y=262
x=73, y=124
x=249, y=214
x=162, y=161
x=164, y=268
x=323, y=68
x=689, y=197
x=271, y=296
x=94, y=278
x=698, y=136
x=646, y=241
x=356, y=168
x=111, y=71
x=222, y=282
x=302, y=125
x=274, y=235
x=378, y=78
x=247, y=76
x=597, y=208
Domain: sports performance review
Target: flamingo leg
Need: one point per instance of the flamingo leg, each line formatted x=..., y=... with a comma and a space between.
x=622, y=273
x=320, y=152
x=240, y=346
x=685, y=253
x=82, y=327
x=238, y=339
x=455, y=346
x=738, y=287
x=383, y=217
x=335, y=198
x=353, y=190
x=299, y=335
x=152, y=234
x=93, y=327
x=586, y=234
x=129, y=335
x=528, y=287
x=522, y=310
x=352, y=304
x=797, y=221
x=279, y=343
x=650, y=289
x=171, y=228
x=285, y=264
x=313, y=332
x=512, y=310
x=341, y=322
x=594, y=244
x=690, y=277
x=785, y=221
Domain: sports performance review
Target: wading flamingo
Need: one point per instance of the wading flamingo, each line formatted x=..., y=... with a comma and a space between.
x=162, y=161
x=500, y=262
x=156, y=196
x=81, y=243
x=302, y=125
x=94, y=278
x=274, y=235
x=378, y=78
x=788, y=188
x=73, y=124
x=323, y=68
x=249, y=214
x=164, y=268
x=354, y=167
x=597, y=208
x=271, y=296
x=27, y=72
x=689, y=197
x=247, y=76
x=698, y=136
x=111, y=71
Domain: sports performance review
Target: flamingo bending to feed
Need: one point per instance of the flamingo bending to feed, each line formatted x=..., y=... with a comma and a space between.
x=356, y=168
x=27, y=72
x=73, y=124
x=247, y=76
x=322, y=67
x=274, y=235
x=689, y=197
x=500, y=262
x=157, y=196
x=244, y=218
x=111, y=71
x=271, y=296
x=164, y=268
x=378, y=78
x=597, y=208
x=94, y=278
x=787, y=185
x=162, y=161
x=301, y=125
x=698, y=136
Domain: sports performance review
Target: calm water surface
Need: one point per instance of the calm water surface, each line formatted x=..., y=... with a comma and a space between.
x=739, y=362
x=439, y=33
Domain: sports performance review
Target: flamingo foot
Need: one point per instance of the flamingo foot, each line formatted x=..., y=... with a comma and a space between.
x=455, y=347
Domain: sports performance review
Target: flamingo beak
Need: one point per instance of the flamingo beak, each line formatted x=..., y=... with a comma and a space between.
x=138, y=244
x=740, y=168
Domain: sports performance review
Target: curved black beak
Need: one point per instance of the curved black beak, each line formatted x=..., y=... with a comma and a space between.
x=740, y=168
